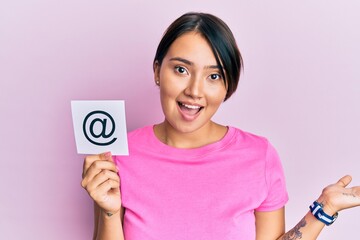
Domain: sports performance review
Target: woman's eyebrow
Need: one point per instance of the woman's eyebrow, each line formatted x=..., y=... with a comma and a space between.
x=214, y=67
x=181, y=60
x=191, y=63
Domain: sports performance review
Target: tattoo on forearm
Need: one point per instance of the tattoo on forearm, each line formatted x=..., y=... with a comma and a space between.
x=295, y=233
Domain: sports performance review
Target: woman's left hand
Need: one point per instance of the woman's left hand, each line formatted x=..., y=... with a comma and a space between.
x=337, y=197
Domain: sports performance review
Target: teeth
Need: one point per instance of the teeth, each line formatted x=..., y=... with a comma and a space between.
x=190, y=106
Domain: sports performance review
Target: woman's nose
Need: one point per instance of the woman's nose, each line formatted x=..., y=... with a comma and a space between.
x=194, y=88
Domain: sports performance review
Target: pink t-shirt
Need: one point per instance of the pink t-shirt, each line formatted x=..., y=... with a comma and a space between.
x=204, y=193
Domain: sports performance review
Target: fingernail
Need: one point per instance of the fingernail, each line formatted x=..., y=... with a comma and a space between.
x=107, y=154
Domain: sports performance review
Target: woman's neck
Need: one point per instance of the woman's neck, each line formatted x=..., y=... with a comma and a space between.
x=210, y=133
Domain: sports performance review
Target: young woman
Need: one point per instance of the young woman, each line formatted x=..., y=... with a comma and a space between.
x=189, y=177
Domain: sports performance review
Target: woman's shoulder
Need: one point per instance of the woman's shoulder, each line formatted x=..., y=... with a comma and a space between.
x=141, y=136
x=246, y=136
x=140, y=132
x=243, y=140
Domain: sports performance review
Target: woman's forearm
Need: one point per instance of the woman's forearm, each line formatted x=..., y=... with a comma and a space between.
x=308, y=228
x=109, y=227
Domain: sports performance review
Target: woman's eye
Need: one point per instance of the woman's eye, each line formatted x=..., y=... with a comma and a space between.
x=180, y=69
x=215, y=76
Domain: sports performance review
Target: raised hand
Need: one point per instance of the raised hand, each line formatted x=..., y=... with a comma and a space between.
x=101, y=181
x=337, y=197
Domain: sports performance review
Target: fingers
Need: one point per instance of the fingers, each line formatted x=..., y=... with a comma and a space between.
x=96, y=168
x=105, y=193
x=107, y=186
x=344, y=181
x=89, y=160
x=101, y=181
x=96, y=164
x=101, y=178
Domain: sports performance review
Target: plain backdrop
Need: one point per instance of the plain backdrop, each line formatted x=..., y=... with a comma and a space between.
x=300, y=89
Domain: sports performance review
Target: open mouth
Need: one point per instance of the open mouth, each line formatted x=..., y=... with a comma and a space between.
x=189, y=109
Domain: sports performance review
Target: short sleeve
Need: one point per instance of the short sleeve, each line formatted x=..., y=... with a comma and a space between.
x=277, y=195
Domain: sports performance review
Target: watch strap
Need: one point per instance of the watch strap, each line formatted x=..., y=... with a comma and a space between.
x=317, y=210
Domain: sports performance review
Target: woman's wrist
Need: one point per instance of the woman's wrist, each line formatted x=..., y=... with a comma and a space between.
x=326, y=206
x=109, y=214
x=318, y=212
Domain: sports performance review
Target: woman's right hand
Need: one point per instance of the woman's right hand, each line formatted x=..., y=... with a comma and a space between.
x=101, y=181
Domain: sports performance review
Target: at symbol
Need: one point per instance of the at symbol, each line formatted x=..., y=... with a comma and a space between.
x=103, y=122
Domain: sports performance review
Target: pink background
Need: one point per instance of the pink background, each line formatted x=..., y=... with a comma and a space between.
x=300, y=88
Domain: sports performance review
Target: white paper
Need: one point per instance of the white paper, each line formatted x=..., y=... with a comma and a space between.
x=100, y=126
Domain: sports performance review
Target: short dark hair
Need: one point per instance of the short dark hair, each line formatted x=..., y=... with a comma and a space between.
x=219, y=37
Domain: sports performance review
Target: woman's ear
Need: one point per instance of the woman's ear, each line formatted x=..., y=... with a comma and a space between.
x=156, y=68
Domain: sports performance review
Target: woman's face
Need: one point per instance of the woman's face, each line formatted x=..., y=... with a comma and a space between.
x=191, y=85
